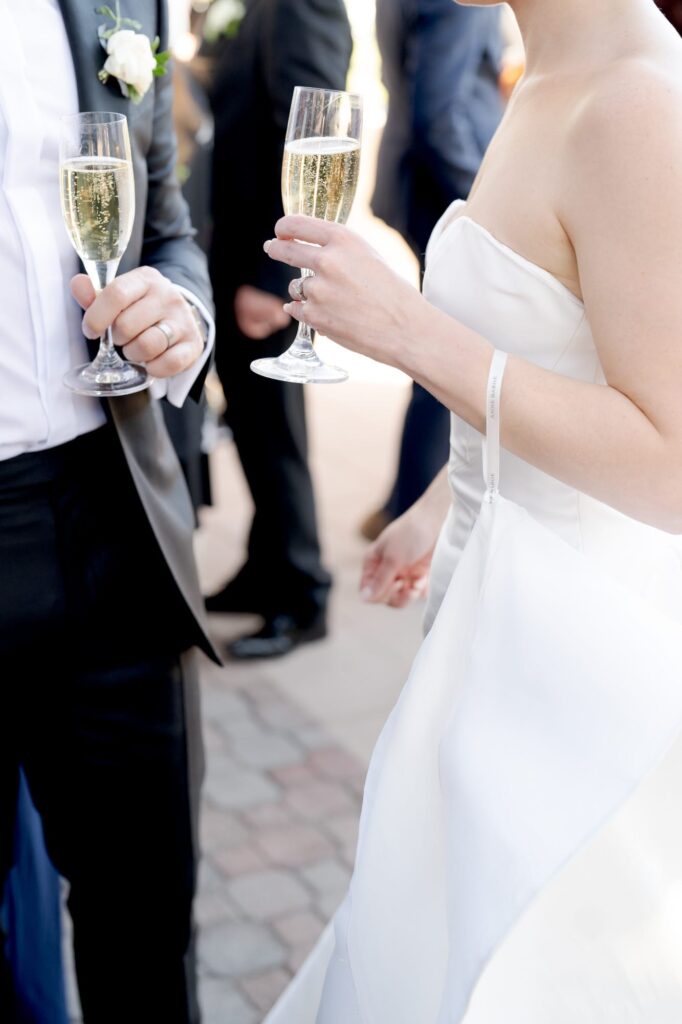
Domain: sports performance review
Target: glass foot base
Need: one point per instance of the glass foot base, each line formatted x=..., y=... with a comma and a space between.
x=125, y=379
x=299, y=371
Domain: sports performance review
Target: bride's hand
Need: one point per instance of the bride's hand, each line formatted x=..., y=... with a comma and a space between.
x=395, y=570
x=396, y=567
x=354, y=298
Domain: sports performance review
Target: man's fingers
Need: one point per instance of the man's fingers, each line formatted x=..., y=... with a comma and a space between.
x=176, y=359
x=117, y=296
x=82, y=290
x=147, y=346
x=139, y=317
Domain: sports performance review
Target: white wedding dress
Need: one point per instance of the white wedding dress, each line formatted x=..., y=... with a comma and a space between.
x=520, y=853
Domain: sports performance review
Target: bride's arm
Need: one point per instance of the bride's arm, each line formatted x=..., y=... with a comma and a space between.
x=622, y=209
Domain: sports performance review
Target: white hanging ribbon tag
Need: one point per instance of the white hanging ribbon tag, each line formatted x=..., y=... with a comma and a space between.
x=491, y=449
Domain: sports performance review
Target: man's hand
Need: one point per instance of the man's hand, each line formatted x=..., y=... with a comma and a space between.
x=258, y=314
x=133, y=305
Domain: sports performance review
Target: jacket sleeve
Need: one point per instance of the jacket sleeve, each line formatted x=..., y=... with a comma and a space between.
x=168, y=243
x=303, y=42
x=448, y=53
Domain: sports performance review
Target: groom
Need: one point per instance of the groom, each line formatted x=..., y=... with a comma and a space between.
x=99, y=602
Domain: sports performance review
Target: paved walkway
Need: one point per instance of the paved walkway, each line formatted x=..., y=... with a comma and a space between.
x=279, y=824
x=288, y=741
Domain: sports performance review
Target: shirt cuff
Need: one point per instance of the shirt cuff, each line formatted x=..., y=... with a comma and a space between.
x=176, y=389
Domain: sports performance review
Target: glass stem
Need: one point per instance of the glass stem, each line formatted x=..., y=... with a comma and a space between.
x=107, y=355
x=102, y=273
x=302, y=345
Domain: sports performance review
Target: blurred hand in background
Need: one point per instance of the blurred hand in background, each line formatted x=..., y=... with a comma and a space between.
x=259, y=314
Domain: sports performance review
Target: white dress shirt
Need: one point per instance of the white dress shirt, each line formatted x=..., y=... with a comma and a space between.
x=40, y=324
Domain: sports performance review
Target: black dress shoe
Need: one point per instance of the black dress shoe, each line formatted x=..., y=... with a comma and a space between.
x=279, y=636
x=236, y=598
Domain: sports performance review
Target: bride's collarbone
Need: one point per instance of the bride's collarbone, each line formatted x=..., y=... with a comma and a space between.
x=517, y=192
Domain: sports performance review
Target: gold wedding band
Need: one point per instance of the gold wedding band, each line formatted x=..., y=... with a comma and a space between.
x=167, y=332
x=298, y=289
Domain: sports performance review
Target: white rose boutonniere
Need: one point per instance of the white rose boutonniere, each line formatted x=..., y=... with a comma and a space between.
x=132, y=58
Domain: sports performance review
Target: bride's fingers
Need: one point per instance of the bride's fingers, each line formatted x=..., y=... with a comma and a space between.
x=405, y=591
x=307, y=229
x=377, y=579
x=294, y=254
x=402, y=594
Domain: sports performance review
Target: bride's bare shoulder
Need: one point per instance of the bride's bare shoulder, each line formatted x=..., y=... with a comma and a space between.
x=626, y=124
x=622, y=173
x=637, y=96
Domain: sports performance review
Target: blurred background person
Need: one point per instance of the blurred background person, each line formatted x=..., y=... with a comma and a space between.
x=673, y=12
x=441, y=66
x=31, y=976
x=194, y=130
x=279, y=44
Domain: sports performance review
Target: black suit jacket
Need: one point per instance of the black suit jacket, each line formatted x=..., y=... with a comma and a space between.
x=162, y=237
x=280, y=44
x=440, y=66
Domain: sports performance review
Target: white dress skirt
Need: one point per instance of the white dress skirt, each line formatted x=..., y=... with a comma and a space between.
x=520, y=851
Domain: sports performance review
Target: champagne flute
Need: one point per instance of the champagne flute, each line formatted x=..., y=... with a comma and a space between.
x=319, y=179
x=98, y=206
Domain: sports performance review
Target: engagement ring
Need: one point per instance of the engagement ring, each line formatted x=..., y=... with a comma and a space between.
x=298, y=289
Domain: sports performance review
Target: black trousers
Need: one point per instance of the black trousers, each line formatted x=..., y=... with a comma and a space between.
x=267, y=418
x=99, y=706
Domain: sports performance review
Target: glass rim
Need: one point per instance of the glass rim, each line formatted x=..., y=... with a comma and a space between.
x=95, y=117
x=354, y=96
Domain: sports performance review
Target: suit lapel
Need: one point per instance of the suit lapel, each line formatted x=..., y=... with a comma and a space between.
x=82, y=23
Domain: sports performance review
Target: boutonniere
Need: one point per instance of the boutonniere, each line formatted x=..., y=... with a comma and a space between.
x=132, y=57
x=223, y=18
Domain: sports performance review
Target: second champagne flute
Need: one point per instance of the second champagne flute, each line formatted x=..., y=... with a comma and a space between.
x=319, y=179
x=98, y=205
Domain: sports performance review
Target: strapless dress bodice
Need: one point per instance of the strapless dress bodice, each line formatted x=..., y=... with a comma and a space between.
x=522, y=309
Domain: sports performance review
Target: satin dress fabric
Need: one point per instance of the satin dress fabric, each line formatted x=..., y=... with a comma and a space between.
x=520, y=851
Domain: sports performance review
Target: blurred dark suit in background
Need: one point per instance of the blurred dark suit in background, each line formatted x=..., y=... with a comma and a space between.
x=673, y=12
x=194, y=129
x=30, y=917
x=441, y=68
x=280, y=44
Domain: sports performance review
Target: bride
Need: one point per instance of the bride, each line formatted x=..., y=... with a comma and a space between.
x=520, y=854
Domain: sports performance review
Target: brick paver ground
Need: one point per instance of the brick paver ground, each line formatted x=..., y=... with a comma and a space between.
x=279, y=824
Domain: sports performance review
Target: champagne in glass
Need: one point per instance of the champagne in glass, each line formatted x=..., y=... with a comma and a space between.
x=98, y=206
x=98, y=203
x=319, y=179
